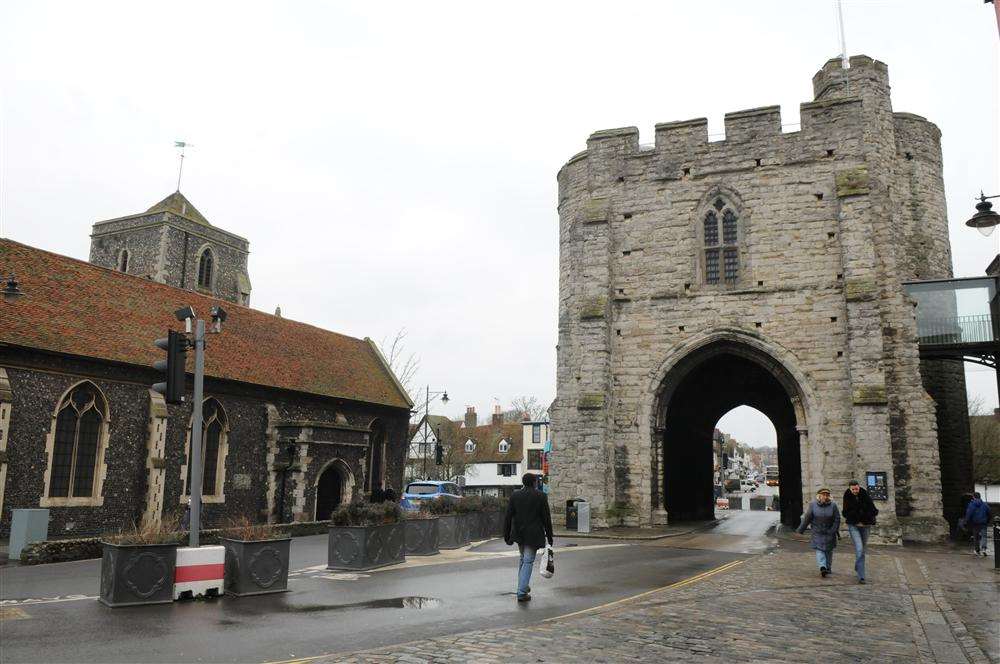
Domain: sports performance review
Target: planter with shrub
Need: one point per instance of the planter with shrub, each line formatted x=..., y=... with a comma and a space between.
x=421, y=534
x=137, y=565
x=256, y=558
x=364, y=536
x=471, y=509
x=453, y=530
x=493, y=513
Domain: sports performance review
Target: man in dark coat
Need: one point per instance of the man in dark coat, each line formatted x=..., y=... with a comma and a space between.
x=529, y=523
x=859, y=513
x=977, y=517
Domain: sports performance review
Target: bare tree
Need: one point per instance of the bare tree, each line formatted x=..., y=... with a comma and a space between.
x=403, y=364
x=984, y=428
x=524, y=406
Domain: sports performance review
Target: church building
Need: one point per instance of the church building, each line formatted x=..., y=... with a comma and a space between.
x=297, y=419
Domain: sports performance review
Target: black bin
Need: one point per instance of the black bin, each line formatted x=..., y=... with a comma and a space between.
x=572, y=513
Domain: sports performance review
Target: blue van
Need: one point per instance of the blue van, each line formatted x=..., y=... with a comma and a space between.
x=421, y=490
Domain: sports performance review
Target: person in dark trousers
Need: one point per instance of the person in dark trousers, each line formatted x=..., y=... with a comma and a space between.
x=977, y=517
x=824, y=517
x=529, y=523
x=859, y=513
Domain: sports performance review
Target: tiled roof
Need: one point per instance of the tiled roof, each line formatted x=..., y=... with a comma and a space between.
x=73, y=307
x=487, y=438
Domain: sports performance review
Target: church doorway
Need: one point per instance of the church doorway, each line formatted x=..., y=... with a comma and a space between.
x=696, y=392
x=329, y=491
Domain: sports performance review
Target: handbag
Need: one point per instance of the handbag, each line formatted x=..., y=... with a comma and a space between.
x=547, y=567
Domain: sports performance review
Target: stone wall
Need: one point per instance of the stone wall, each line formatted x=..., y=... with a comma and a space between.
x=821, y=261
x=37, y=382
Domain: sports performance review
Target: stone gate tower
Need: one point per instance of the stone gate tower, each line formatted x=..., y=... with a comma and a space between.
x=174, y=244
x=764, y=269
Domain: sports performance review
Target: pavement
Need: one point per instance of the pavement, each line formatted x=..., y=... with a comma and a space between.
x=729, y=592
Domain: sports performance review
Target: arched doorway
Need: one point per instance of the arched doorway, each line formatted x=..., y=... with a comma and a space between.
x=696, y=392
x=329, y=491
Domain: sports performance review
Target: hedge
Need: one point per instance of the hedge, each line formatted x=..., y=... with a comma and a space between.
x=60, y=551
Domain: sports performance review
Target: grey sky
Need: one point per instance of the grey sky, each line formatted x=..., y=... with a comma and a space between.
x=393, y=164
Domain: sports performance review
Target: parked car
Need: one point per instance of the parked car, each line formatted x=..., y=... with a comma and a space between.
x=748, y=486
x=421, y=490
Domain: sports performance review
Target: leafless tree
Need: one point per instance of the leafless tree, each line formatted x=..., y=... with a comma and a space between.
x=403, y=364
x=984, y=428
x=521, y=406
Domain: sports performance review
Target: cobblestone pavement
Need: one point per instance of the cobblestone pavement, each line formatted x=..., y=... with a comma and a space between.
x=916, y=607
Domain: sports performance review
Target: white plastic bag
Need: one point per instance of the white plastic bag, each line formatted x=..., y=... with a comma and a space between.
x=547, y=564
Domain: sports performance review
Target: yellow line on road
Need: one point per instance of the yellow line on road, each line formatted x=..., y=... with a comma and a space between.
x=678, y=584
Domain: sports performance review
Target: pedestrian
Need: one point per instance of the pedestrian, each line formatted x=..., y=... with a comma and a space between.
x=824, y=517
x=859, y=513
x=529, y=523
x=977, y=517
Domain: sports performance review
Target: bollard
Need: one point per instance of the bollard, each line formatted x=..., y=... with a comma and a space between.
x=996, y=543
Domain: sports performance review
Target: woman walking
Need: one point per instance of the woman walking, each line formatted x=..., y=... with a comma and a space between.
x=824, y=517
x=859, y=513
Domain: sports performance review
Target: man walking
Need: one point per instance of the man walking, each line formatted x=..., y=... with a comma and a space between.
x=977, y=517
x=860, y=513
x=529, y=523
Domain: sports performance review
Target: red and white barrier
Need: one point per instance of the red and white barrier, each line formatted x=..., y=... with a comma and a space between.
x=200, y=570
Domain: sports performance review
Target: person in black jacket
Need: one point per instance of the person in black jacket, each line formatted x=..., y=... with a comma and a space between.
x=529, y=523
x=859, y=513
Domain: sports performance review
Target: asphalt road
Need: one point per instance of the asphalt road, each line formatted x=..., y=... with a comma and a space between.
x=327, y=613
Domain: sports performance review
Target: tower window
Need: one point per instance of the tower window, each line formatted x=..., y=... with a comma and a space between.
x=722, y=252
x=205, y=266
x=123, y=261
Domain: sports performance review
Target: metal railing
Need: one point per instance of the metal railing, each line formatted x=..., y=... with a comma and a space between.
x=956, y=330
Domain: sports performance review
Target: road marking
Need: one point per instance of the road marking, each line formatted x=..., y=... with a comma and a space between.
x=13, y=613
x=678, y=584
x=45, y=600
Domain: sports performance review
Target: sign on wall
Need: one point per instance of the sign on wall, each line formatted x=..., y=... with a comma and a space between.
x=878, y=485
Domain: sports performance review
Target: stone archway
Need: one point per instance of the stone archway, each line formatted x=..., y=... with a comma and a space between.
x=696, y=389
x=333, y=487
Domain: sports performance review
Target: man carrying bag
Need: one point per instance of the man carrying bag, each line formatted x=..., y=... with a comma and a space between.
x=529, y=523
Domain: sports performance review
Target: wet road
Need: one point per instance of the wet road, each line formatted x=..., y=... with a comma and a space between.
x=328, y=612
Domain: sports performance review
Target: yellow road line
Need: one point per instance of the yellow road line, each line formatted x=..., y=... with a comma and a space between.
x=678, y=584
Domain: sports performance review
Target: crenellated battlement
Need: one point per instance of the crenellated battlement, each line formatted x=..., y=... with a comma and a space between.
x=864, y=74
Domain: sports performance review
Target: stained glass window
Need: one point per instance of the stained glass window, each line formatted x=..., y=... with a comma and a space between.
x=77, y=443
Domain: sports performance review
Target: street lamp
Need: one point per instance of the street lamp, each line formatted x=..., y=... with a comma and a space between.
x=985, y=219
x=427, y=404
x=11, y=292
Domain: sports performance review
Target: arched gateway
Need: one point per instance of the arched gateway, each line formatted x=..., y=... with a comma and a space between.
x=766, y=270
x=690, y=398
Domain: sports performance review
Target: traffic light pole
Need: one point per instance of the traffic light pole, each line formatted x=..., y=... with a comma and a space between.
x=195, y=460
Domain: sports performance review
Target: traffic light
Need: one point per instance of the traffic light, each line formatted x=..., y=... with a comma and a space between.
x=438, y=454
x=176, y=346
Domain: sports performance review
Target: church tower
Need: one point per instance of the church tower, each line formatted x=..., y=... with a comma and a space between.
x=173, y=243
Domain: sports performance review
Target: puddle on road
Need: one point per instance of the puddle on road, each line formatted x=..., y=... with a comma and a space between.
x=391, y=603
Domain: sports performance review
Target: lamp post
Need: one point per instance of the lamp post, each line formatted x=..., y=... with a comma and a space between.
x=427, y=404
x=985, y=219
x=11, y=290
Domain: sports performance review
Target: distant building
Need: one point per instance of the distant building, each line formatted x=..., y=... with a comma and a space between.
x=494, y=456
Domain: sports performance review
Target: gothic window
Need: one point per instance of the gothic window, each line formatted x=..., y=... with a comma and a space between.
x=376, y=444
x=213, y=450
x=123, y=261
x=205, y=265
x=77, y=443
x=722, y=252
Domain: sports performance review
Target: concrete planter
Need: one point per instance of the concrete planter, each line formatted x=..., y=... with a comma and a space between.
x=133, y=574
x=758, y=502
x=256, y=567
x=476, y=524
x=421, y=537
x=494, y=524
x=453, y=531
x=366, y=547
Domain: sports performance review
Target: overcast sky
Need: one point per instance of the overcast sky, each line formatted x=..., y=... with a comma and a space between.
x=394, y=164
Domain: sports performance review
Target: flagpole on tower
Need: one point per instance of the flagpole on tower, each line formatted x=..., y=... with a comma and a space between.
x=844, y=62
x=180, y=169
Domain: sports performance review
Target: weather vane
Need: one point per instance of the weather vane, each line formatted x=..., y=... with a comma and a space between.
x=180, y=169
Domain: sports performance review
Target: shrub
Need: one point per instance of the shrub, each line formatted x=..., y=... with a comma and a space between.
x=471, y=504
x=494, y=504
x=167, y=531
x=442, y=506
x=366, y=514
x=243, y=529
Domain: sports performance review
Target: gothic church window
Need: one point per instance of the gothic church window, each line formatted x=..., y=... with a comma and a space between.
x=205, y=265
x=77, y=443
x=722, y=251
x=376, y=462
x=123, y=261
x=213, y=450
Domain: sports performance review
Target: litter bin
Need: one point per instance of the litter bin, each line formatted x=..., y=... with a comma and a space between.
x=571, y=514
x=583, y=516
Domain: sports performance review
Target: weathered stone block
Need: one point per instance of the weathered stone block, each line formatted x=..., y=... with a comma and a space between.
x=869, y=394
x=852, y=182
x=591, y=401
x=860, y=289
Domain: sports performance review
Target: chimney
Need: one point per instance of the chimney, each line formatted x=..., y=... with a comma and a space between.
x=497, y=416
x=470, y=417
